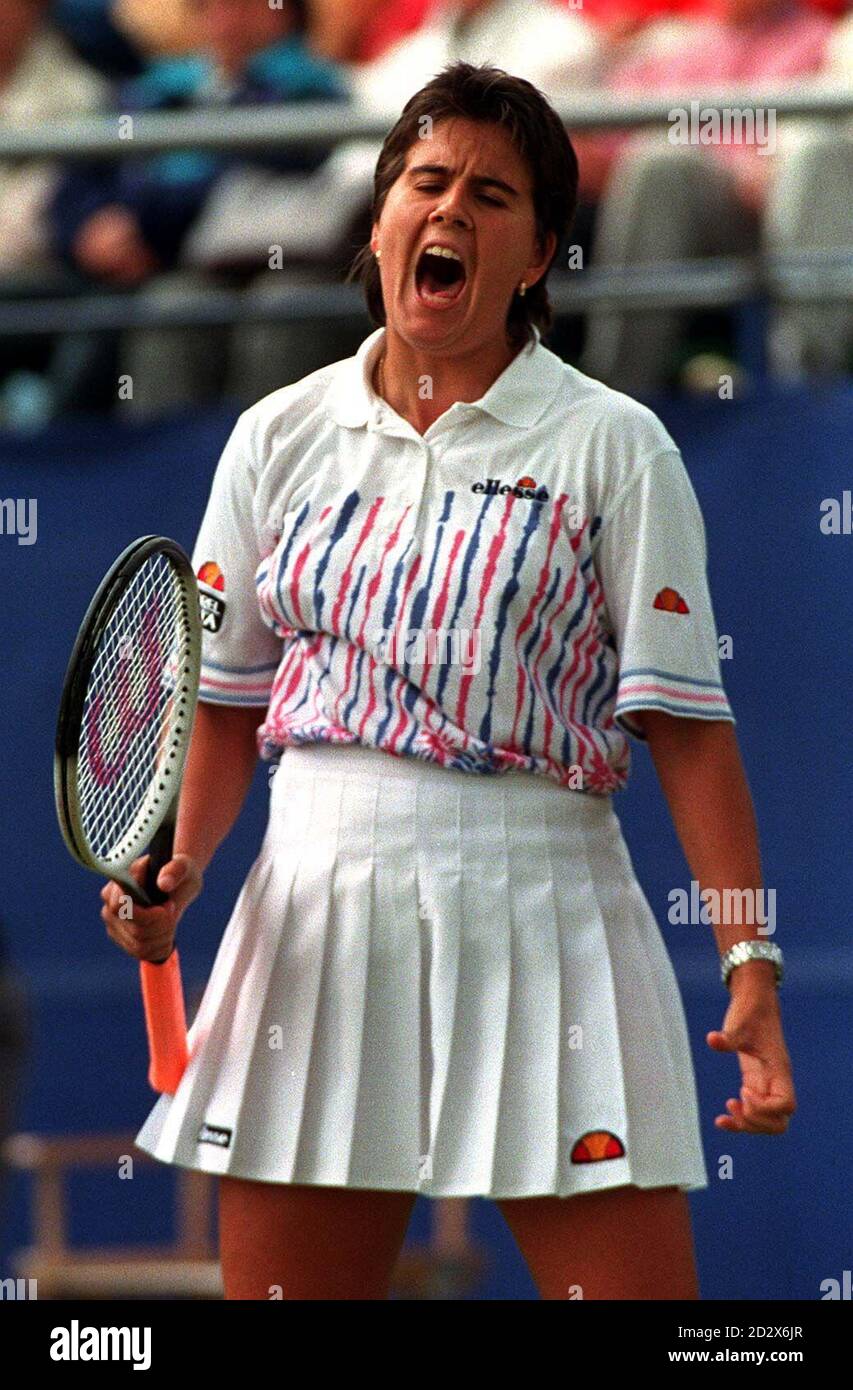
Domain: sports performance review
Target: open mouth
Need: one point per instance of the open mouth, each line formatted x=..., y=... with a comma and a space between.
x=439, y=277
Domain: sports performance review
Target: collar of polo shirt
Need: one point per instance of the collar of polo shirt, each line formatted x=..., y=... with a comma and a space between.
x=519, y=396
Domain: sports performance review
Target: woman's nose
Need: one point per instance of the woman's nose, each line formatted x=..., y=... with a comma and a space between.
x=450, y=211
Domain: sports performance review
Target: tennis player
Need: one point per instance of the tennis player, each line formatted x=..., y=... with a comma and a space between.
x=444, y=581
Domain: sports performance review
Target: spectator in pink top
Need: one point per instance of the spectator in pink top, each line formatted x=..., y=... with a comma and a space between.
x=664, y=200
x=744, y=41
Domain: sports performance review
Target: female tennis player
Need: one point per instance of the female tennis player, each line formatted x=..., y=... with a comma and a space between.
x=452, y=575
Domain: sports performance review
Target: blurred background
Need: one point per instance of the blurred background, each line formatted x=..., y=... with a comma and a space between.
x=183, y=187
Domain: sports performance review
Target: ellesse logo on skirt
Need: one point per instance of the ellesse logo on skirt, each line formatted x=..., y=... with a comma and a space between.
x=597, y=1145
x=214, y=1134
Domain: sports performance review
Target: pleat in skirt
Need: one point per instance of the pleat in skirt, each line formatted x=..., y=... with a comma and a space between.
x=437, y=982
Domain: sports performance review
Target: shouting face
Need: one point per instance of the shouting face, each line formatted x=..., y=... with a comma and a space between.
x=457, y=236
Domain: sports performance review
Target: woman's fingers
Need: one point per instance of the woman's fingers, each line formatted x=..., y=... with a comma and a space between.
x=172, y=874
x=757, y=1113
x=753, y=1031
x=778, y=1103
x=148, y=933
x=739, y=1124
x=148, y=936
x=181, y=878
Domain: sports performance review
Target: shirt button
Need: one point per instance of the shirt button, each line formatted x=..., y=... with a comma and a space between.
x=423, y=911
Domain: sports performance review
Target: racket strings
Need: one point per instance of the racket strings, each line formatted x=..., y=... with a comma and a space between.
x=135, y=711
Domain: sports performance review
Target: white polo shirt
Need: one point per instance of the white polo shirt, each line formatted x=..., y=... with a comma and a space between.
x=501, y=591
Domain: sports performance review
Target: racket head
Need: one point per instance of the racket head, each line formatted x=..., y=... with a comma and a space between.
x=127, y=708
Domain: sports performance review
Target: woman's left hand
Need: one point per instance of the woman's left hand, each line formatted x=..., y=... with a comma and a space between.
x=752, y=1028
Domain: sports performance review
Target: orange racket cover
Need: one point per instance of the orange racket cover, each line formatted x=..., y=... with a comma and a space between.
x=165, y=1021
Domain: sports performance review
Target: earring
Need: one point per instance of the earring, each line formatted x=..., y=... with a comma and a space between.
x=522, y=288
x=377, y=254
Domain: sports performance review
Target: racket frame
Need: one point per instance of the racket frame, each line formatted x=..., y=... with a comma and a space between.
x=157, y=815
x=162, y=990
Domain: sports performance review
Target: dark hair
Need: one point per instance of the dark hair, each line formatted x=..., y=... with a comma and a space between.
x=487, y=94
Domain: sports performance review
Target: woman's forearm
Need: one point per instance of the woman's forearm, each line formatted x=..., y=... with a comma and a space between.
x=220, y=765
x=701, y=773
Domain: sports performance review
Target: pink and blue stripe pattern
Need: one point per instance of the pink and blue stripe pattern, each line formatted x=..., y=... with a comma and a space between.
x=543, y=698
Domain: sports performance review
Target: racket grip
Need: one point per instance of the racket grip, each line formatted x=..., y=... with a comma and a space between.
x=159, y=854
x=165, y=1022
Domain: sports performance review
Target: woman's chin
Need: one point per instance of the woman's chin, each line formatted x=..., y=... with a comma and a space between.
x=424, y=322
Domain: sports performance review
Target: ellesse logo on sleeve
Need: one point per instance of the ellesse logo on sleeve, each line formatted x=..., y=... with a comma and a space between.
x=211, y=588
x=670, y=601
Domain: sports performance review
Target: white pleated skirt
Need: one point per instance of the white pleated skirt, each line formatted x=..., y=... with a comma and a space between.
x=437, y=982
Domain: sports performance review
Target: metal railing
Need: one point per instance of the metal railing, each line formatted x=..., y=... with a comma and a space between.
x=322, y=125
x=813, y=277
x=718, y=282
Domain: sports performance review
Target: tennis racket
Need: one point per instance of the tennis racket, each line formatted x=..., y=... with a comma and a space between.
x=125, y=722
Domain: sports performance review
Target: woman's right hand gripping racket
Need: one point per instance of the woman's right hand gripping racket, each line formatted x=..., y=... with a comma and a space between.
x=125, y=723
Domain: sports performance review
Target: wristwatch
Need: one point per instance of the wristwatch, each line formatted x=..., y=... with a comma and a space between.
x=751, y=950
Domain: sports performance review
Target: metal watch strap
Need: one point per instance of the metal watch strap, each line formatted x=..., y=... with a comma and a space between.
x=743, y=951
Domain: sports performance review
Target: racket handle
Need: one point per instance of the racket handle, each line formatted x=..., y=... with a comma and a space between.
x=160, y=853
x=165, y=1022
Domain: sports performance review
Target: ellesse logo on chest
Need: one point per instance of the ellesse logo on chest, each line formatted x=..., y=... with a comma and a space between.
x=525, y=487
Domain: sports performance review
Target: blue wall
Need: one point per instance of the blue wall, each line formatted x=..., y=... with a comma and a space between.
x=781, y=589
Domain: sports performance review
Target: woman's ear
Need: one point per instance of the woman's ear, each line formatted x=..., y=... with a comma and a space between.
x=535, y=271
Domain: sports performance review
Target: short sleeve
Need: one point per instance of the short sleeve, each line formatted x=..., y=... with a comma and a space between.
x=651, y=563
x=240, y=653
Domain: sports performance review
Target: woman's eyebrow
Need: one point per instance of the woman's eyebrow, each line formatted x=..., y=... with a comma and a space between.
x=481, y=180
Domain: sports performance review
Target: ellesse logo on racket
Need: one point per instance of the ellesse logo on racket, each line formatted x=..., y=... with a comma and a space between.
x=213, y=1134
x=211, y=587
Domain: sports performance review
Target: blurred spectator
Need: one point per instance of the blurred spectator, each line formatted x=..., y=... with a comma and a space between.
x=122, y=224
x=357, y=31
x=166, y=26
x=88, y=26
x=619, y=19
x=839, y=59
x=664, y=200
x=41, y=79
x=551, y=46
x=809, y=208
x=836, y=8
x=742, y=42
